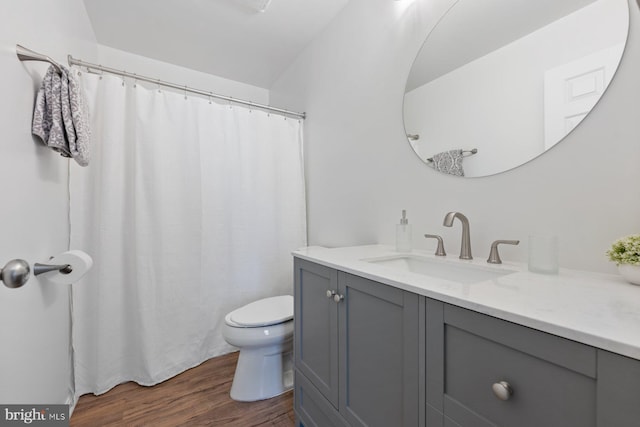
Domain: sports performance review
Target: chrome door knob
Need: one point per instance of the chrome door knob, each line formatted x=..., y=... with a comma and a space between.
x=337, y=298
x=330, y=293
x=502, y=390
x=15, y=273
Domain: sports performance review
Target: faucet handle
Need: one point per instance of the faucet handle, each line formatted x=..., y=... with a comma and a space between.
x=494, y=256
x=440, y=249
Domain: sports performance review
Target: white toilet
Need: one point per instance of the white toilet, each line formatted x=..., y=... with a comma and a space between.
x=263, y=330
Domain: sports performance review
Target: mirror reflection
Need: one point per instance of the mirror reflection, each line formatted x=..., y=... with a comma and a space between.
x=499, y=82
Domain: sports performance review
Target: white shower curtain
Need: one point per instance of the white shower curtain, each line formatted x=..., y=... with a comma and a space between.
x=189, y=210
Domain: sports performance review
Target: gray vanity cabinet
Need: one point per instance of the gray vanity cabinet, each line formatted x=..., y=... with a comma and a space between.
x=369, y=354
x=356, y=346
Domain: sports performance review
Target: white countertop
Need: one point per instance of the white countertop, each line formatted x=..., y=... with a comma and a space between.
x=600, y=310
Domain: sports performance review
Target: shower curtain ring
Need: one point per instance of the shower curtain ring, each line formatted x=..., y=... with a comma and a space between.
x=210, y=94
x=124, y=73
x=185, y=92
x=159, y=91
x=135, y=81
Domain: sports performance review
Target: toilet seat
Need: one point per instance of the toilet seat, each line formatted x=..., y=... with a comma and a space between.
x=264, y=312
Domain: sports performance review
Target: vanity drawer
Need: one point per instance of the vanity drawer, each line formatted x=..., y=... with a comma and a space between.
x=552, y=379
x=311, y=407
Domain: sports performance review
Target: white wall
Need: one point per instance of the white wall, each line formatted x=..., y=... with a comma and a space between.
x=496, y=102
x=361, y=172
x=34, y=320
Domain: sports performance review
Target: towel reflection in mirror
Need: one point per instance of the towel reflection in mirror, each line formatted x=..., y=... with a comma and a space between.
x=450, y=162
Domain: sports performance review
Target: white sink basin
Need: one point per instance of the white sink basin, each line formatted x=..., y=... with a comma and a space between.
x=455, y=271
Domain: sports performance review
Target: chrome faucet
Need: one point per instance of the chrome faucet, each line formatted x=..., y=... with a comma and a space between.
x=465, y=246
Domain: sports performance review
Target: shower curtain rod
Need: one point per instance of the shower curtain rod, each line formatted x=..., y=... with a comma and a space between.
x=25, y=54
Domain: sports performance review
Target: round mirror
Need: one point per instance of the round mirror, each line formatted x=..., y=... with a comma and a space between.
x=499, y=82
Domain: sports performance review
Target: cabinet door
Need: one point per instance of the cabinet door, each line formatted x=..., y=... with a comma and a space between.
x=379, y=348
x=316, y=327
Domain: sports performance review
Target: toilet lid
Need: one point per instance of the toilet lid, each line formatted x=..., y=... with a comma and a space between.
x=264, y=312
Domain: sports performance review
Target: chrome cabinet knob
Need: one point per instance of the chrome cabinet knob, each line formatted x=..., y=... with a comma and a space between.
x=330, y=293
x=502, y=390
x=337, y=298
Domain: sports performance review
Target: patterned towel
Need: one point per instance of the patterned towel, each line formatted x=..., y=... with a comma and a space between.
x=449, y=162
x=61, y=117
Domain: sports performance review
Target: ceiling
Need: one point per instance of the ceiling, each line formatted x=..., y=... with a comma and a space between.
x=233, y=39
x=487, y=25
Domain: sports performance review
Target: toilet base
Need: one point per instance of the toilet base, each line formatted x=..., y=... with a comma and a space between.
x=262, y=373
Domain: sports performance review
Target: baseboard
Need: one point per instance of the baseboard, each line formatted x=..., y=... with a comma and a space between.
x=71, y=401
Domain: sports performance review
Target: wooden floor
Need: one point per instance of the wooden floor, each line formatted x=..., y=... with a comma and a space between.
x=197, y=397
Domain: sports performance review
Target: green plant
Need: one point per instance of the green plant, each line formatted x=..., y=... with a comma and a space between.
x=625, y=250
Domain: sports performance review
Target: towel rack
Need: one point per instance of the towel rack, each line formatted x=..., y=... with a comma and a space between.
x=469, y=152
x=25, y=54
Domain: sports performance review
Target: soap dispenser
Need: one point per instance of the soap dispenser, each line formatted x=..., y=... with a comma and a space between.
x=403, y=234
